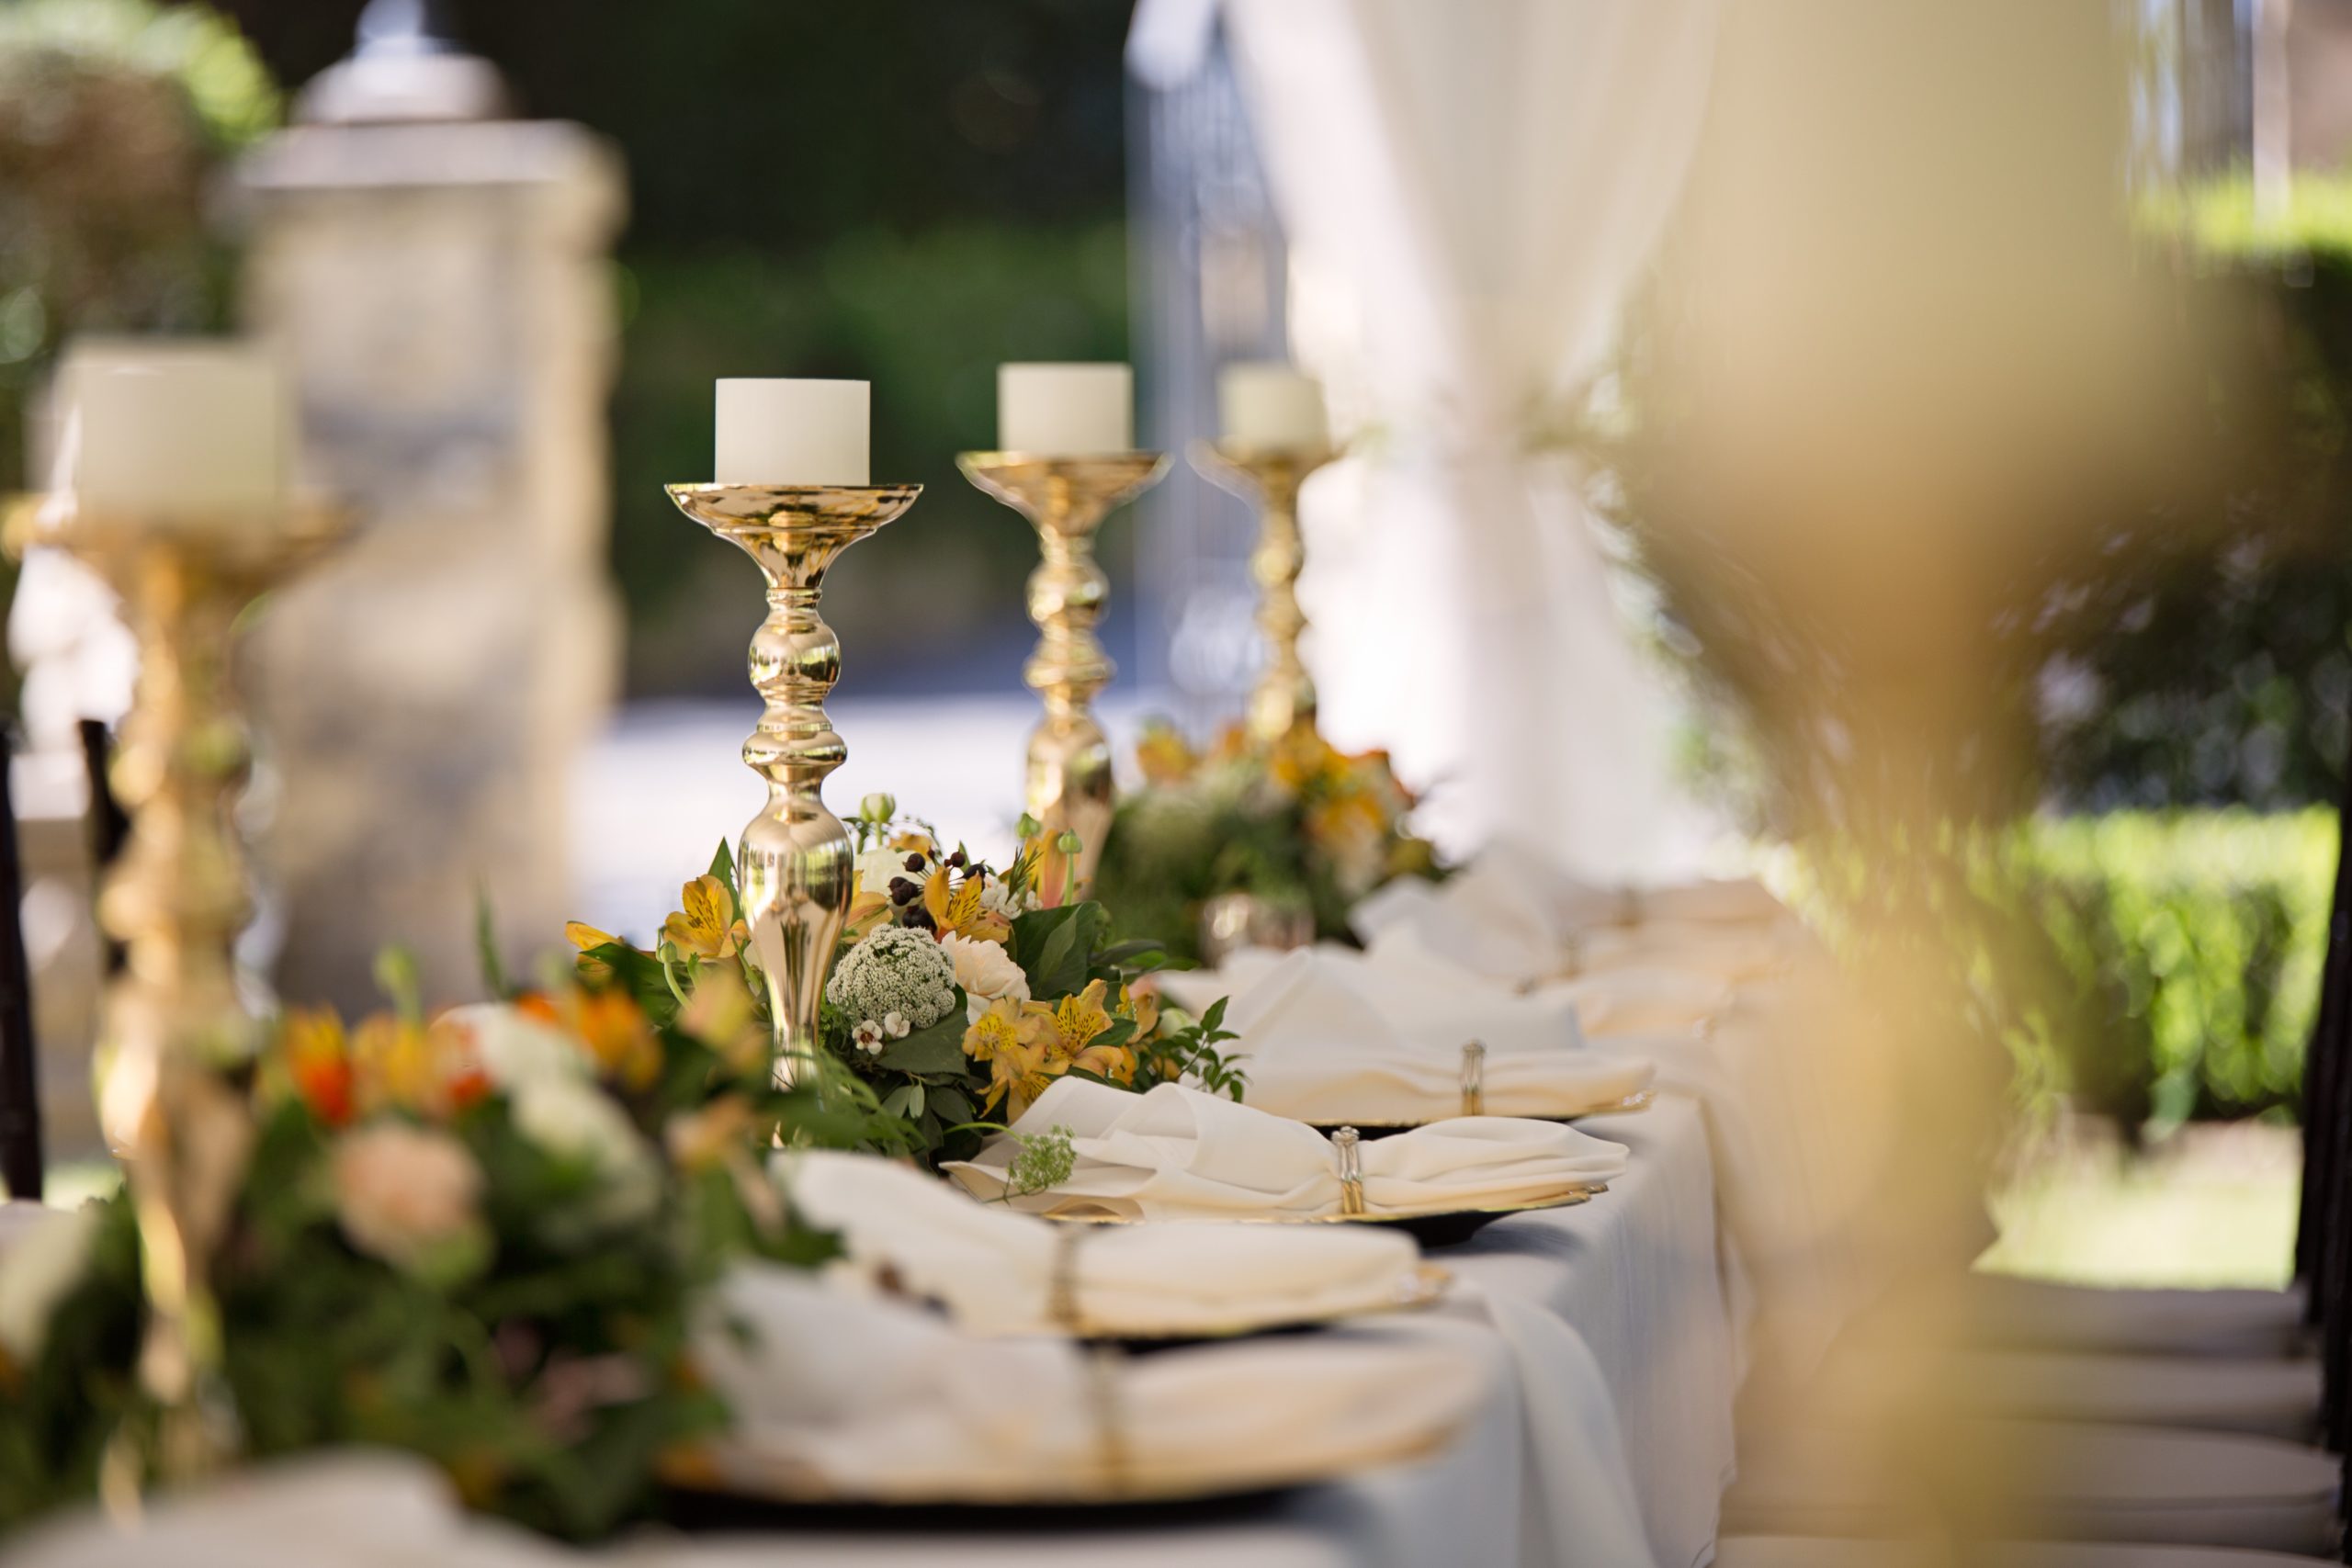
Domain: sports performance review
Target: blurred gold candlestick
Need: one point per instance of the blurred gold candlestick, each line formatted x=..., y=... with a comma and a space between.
x=175, y=1038
x=1268, y=479
x=795, y=864
x=1066, y=500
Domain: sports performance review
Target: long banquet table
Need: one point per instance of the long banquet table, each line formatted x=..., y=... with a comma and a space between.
x=1635, y=1273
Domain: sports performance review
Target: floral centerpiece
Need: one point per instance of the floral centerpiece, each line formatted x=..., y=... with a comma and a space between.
x=959, y=990
x=475, y=1236
x=1293, y=821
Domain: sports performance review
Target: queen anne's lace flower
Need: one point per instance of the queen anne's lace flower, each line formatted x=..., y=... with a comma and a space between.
x=894, y=969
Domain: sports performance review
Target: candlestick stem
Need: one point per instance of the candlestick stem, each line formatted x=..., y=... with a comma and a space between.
x=1070, y=784
x=175, y=1037
x=1268, y=479
x=794, y=864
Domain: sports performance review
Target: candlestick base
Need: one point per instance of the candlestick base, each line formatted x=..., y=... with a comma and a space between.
x=1066, y=500
x=1268, y=479
x=794, y=864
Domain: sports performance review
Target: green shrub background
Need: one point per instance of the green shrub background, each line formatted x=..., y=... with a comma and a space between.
x=2185, y=950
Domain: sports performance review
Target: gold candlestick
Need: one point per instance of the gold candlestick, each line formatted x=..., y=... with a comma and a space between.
x=175, y=1038
x=1066, y=500
x=1269, y=478
x=794, y=863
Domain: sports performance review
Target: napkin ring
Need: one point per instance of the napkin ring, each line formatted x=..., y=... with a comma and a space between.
x=1061, y=1284
x=1474, y=1078
x=1347, y=1142
x=1103, y=1365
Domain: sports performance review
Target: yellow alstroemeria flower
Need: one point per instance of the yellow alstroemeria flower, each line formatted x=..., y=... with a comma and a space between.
x=866, y=910
x=706, y=927
x=394, y=1067
x=1077, y=1020
x=1004, y=1025
x=914, y=841
x=1143, y=1006
x=586, y=937
x=1117, y=1063
x=1020, y=1073
x=956, y=910
x=1164, y=756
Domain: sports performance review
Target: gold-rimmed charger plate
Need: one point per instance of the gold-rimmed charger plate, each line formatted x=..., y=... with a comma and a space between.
x=1431, y=1227
x=1422, y=1288
x=1640, y=1100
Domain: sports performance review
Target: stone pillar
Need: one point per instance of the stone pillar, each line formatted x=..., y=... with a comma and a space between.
x=441, y=286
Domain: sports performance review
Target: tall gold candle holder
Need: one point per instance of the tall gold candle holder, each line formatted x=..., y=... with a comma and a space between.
x=795, y=864
x=176, y=1041
x=1066, y=500
x=1268, y=479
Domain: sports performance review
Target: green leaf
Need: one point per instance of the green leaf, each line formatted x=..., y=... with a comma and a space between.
x=1213, y=1020
x=1129, y=952
x=952, y=1105
x=1122, y=1030
x=493, y=972
x=722, y=866
x=1063, y=957
x=939, y=1049
x=640, y=973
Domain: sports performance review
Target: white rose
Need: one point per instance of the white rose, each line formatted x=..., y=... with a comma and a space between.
x=876, y=867
x=513, y=1048
x=36, y=1273
x=571, y=1117
x=401, y=1191
x=985, y=971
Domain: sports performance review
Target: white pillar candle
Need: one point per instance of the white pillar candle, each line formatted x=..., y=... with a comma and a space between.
x=791, y=432
x=1065, y=411
x=190, y=430
x=1267, y=403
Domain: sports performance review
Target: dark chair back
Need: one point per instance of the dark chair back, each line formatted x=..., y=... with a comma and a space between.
x=20, y=1150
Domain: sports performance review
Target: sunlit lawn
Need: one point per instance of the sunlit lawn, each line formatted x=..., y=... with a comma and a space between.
x=2210, y=1206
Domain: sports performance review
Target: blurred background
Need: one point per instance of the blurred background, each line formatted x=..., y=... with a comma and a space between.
x=2111, y=250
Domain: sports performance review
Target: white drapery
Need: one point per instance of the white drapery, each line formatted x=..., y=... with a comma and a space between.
x=1468, y=190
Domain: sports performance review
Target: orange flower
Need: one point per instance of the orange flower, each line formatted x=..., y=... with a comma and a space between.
x=396, y=1066
x=317, y=1062
x=617, y=1033
x=699, y=1139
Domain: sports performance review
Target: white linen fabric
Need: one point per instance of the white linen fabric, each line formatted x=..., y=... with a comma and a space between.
x=1176, y=1152
x=351, y=1507
x=1322, y=1036
x=993, y=1268
x=1467, y=190
x=878, y=1399
x=1419, y=995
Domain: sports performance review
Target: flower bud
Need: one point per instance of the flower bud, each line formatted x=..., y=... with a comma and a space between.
x=1028, y=826
x=1068, y=844
x=878, y=808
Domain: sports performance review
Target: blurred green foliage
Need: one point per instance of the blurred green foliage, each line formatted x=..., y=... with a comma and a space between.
x=900, y=191
x=926, y=318
x=2179, y=969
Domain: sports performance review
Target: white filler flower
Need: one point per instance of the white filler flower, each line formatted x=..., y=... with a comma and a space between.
x=895, y=969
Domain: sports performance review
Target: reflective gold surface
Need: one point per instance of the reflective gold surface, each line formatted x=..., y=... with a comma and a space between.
x=794, y=863
x=174, y=1035
x=1066, y=500
x=1267, y=477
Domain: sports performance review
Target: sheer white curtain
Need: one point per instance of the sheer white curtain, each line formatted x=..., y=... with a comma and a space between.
x=1469, y=188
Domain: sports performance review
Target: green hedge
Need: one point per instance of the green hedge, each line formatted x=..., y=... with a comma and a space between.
x=2185, y=947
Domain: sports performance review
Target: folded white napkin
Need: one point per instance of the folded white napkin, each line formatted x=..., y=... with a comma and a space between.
x=1501, y=919
x=996, y=1269
x=837, y=1396
x=1327, y=1036
x=1645, y=1000
x=1176, y=1152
